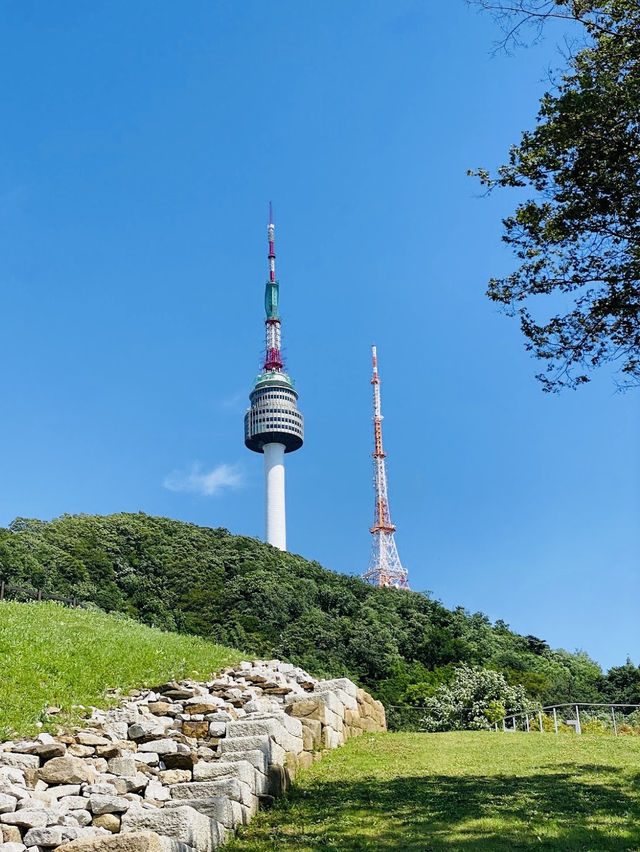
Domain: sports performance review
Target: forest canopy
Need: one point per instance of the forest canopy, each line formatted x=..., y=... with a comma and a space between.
x=241, y=592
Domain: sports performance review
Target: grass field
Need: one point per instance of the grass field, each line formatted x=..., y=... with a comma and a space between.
x=473, y=792
x=53, y=655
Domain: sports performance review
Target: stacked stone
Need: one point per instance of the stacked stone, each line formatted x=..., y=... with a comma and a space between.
x=175, y=768
x=334, y=712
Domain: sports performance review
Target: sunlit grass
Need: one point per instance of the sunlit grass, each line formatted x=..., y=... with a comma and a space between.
x=53, y=655
x=474, y=792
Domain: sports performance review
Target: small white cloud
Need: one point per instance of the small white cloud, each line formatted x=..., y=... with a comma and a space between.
x=208, y=484
x=234, y=402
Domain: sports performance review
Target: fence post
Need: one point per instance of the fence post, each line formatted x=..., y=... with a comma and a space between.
x=555, y=720
x=540, y=721
x=39, y=594
x=514, y=723
x=613, y=716
x=2, y=591
x=504, y=726
x=578, y=727
x=527, y=723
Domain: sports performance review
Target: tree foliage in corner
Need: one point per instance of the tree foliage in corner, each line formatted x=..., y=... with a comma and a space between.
x=577, y=235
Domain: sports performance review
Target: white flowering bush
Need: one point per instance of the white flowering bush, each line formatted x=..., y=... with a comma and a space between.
x=475, y=699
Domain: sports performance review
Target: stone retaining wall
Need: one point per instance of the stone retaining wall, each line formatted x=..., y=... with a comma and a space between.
x=178, y=767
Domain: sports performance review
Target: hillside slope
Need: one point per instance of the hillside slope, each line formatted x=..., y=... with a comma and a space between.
x=241, y=592
x=52, y=655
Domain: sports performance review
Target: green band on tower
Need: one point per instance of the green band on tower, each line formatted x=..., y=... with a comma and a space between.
x=271, y=292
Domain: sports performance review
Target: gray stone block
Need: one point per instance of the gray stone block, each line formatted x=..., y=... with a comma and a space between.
x=139, y=841
x=228, y=786
x=220, y=808
x=256, y=758
x=124, y=767
x=27, y=817
x=163, y=746
x=73, y=803
x=261, y=742
x=63, y=790
x=43, y=837
x=270, y=726
x=7, y=804
x=207, y=771
x=19, y=761
x=183, y=824
x=107, y=804
x=217, y=729
x=342, y=683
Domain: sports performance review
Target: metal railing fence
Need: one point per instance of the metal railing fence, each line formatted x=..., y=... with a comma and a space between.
x=535, y=720
x=595, y=717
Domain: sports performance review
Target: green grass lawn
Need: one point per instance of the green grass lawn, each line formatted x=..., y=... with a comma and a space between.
x=53, y=655
x=469, y=791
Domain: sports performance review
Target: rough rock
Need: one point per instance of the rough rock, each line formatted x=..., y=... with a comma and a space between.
x=27, y=817
x=43, y=837
x=142, y=841
x=109, y=821
x=219, y=808
x=163, y=746
x=10, y=834
x=182, y=823
x=20, y=761
x=107, y=804
x=175, y=776
x=13, y=847
x=241, y=769
x=228, y=786
x=7, y=803
x=67, y=770
x=122, y=766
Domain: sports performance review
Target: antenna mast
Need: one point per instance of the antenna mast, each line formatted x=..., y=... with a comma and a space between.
x=385, y=568
x=273, y=355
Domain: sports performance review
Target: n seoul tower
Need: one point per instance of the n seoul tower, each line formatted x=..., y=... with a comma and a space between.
x=273, y=425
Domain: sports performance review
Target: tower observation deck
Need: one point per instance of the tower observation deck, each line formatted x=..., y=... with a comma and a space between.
x=273, y=425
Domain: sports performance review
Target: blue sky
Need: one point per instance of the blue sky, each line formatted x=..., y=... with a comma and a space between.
x=140, y=145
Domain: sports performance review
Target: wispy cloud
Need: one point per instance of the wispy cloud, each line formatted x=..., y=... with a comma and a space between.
x=207, y=483
x=235, y=401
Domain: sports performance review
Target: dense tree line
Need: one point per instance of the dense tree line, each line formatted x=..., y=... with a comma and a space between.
x=241, y=592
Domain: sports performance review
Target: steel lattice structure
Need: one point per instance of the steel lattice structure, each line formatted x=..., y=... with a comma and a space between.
x=385, y=568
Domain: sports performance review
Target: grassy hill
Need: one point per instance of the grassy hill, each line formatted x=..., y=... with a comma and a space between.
x=240, y=592
x=460, y=792
x=52, y=655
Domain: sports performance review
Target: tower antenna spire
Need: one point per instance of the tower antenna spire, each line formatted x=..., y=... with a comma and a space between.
x=273, y=348
x=385, y=568
x=270, y=236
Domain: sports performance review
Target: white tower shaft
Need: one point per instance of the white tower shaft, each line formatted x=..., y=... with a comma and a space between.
x=275, y=518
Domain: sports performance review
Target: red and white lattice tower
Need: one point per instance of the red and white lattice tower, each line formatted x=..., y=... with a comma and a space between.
x=385, y=568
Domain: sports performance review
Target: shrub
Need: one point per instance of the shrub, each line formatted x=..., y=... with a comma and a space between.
x=475, y=699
